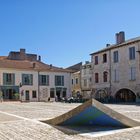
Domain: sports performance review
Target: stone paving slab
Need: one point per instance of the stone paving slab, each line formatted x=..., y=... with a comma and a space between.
x=29, y=129
x=5, y=118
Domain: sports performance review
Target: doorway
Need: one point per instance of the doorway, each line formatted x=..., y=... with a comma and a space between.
x=125, y=95
x=27, y=95
x=58, y=94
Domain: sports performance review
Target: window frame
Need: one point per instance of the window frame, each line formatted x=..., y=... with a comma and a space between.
x=29, y=81
x=132, y=53
x=105, y=58
x=105, y=76
x=59, y=82
x=96, y=77
x=116, y=56
x=96, y=60
x=34, y=93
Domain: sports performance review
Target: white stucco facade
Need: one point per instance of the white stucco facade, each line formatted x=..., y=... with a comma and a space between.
x=42, y=92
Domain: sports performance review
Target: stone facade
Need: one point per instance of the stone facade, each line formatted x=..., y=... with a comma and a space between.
x=118, y=76
x=76, y=83
x=86, y=80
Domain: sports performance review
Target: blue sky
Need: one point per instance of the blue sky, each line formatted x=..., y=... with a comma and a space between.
x=65, y=32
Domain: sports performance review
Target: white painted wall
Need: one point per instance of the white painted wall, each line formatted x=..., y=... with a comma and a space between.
x=35, y=86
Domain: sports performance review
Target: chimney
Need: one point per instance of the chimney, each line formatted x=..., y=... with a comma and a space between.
x=120, y=37
x=22, y=54
x=117, y=38
x=34, y=65
x=39, y=58
x=50, y=66
x=86, y=62
x=107, y=45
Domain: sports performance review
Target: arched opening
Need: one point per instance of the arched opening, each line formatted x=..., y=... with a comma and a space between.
x=101, y=95
x=125, y=95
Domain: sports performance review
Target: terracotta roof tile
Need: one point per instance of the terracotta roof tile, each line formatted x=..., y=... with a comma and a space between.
x=28, y=65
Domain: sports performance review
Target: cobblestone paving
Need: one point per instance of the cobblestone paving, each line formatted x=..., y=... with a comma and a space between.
x=18, y=128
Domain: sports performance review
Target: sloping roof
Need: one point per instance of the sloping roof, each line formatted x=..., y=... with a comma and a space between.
x=75, y=67
x=29, y=65
x=133, y=40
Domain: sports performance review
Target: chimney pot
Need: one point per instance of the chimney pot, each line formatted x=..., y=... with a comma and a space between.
x=107, y=45
x=39, y=58
x=120, y=37
x=22, y=54
x=34, y=65
x=50, y=66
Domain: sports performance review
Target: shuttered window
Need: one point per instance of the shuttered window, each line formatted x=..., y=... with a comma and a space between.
x=27, y=79
x=116, y=75
x=59, y=80
x=132, y=73
x=44, y=80
x=8, y=78
x=132, y=53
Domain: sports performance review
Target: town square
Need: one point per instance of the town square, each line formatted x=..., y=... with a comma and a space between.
x=69, y=70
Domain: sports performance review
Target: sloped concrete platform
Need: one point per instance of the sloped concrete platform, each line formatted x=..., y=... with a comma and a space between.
x=93, y=113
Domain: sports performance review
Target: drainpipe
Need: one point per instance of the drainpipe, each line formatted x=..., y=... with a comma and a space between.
x=38, y=87
x=110, y=72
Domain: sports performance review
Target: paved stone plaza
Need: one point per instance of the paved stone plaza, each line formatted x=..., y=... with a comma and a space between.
x=19, y=121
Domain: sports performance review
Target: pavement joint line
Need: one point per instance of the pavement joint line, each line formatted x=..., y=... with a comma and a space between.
x=100, y=134
x=23, y=118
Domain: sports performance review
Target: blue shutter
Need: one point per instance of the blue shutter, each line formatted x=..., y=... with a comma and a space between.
x=55, y=80
x=4, y=78
x=13, y=79
x=31, y=79
x=48, y=80
x=62, y=80
x=23, y=79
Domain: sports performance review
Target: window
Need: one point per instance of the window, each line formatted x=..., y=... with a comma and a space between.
x=90, y=79
x=44, y=80
x=96, y=60
x=96, y=78
x=27, y=79
x=84, y=71
x=52, y=92
x=116, y=56
x=59, y=80
x=33, y=94
x=8, y=78
x=72, y=81
x=64, y=92
x=76, y=81
x=132, y=53
x=105, y=76
x=104, y=58
x=85, y=82
x=116, y=75
x=132, y=73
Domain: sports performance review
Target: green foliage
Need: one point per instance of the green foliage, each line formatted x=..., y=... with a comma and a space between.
x=1, y=94
x=16, y=96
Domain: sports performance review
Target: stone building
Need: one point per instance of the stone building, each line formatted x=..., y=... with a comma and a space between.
x=86, y=80
x=76, y=79
x=26, y=77
x=116, y=70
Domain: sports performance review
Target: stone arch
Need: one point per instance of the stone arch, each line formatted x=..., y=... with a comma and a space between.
x=101, y=95
x=125, y=95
